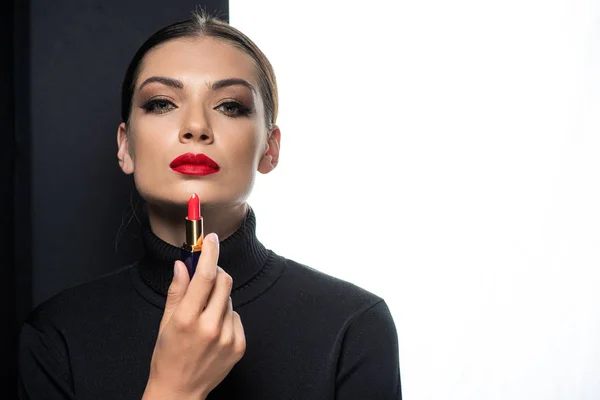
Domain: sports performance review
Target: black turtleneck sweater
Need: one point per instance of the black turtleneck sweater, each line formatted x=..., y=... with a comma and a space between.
x=309, y=335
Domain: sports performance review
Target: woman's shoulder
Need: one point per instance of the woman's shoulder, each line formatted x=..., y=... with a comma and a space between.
x=303, y=281
x=76, y=301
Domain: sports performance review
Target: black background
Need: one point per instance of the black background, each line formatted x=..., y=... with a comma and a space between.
x=63, y=195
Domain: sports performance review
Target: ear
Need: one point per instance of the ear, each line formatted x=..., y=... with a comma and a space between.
x=270, y=158
x=125, y=160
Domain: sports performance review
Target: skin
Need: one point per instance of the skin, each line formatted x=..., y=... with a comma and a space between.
x=196, y=119
x=200, y=336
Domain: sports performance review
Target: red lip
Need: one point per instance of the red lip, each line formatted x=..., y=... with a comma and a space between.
x=194, y=164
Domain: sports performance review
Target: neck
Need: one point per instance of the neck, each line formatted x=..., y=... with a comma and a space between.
x=222, y=220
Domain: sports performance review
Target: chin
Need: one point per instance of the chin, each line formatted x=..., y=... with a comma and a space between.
x=211, y=194
x=215, y=198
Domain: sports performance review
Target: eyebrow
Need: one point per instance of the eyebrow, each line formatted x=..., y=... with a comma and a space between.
x=232, y=82
x=177, y=84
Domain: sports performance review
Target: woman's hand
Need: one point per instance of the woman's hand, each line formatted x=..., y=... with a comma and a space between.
x=200, y=337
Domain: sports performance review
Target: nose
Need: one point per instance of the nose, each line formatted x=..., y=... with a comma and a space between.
x=196, y=127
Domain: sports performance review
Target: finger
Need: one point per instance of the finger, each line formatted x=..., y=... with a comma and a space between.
x=227, y=329
x=218, y=299
x=204, y=278
x=239, y=336
x=177, y=290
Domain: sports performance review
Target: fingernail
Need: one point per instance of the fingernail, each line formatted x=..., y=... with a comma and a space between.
x=176, y=269
x=213, y=237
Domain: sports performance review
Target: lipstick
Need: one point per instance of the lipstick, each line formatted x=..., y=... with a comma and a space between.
x=194, y=164
x=191, y=248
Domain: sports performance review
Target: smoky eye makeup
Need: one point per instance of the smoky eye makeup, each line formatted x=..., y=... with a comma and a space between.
x=155, y=100
x=234, y=108
x=234, y=101
x=158, y=105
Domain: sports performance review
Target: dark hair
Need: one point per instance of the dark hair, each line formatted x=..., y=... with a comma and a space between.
x=203, y=24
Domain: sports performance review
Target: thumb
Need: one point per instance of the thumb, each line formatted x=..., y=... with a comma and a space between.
x=177, y=289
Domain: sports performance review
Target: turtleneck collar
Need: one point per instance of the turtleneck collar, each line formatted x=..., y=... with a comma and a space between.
x=241, y=255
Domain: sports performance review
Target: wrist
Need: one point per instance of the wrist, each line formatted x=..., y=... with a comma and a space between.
x=155, y=391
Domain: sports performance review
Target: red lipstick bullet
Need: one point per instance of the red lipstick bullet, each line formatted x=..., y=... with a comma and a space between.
x=191, y=248
x=194, y=207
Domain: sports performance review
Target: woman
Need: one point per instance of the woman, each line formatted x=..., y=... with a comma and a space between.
x=148, y=330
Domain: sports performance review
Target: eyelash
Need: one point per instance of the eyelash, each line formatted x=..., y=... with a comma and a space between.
x=150, y=106
x=241, y=111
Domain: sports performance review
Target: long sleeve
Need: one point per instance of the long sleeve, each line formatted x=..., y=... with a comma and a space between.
x=44, y=371
x=369, y=366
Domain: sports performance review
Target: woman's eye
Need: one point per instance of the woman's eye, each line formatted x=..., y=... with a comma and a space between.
x=158, y=106
x=233, y=109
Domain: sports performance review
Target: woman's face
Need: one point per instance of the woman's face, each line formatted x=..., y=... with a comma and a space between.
x=198, y=96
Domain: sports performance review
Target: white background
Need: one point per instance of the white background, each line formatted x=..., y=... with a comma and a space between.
x=444, y=155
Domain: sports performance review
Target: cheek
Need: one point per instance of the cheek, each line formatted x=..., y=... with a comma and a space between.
x=238, y=140
x=242, y=159
x=152, y=138
x=243, y=151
